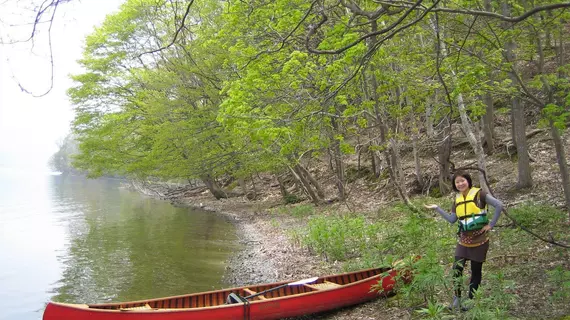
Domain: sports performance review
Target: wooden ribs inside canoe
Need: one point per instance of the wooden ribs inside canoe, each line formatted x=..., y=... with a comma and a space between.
x=285, y=300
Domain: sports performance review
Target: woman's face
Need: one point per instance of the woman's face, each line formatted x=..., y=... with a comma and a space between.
x=461, y=184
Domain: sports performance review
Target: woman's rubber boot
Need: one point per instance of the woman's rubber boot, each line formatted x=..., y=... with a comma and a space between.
x=456, y=304
x=467, y=306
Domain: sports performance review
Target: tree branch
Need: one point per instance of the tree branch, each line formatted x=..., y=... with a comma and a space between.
x=176, y=34
x=38, y=16
x=364, y=37
x=284, y=39
x=418, y=6
x=370, y=53
x=358, y=11
x=505, y=18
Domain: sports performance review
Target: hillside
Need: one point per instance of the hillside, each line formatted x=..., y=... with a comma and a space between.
x=273, y=249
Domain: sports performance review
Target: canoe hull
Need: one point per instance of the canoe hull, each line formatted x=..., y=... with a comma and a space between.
x=272, y=308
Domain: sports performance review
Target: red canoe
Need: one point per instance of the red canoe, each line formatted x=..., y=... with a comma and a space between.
x=266, y=301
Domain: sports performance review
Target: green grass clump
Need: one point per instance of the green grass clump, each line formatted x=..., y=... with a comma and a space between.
x=339, y=238
x=298, y=211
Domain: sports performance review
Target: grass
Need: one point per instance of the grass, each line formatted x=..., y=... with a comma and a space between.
x=297, y=211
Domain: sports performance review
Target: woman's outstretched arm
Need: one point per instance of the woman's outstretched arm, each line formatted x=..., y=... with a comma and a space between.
x=450, y=217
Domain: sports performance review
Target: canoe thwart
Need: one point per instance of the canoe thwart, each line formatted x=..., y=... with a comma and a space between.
x=251, y=292
x=323, y=286
x=139, y=308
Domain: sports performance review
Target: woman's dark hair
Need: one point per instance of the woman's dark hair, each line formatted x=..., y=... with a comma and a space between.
x=463, y=174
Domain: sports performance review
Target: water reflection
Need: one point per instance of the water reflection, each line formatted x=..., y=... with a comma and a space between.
x=121, y=246
x=29, y=236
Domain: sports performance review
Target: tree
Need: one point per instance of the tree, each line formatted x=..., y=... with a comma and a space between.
x=62, y=159
x=147, y=113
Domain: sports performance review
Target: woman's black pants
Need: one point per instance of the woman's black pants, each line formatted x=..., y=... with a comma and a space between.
x=476, y=273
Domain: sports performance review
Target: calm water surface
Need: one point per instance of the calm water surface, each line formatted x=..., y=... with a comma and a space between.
x=73, y=240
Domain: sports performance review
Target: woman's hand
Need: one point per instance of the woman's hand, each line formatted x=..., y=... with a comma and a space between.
x=430, y=206
x=486, y=228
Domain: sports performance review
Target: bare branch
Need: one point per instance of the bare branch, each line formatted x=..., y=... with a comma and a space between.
x=357, y=10
x=548, y=7
x=284, y=39
x=418, y=6
x=176, y=33
x=370, y=53
x=364, y=37
x=42, y=11
x=505, y=18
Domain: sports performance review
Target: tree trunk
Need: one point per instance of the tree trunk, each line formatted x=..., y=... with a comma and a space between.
x=339, y=165
x=399, y=188
x=312, y=181
x=473, y=141
x=243, y=186
x=488, y=123
x=398, y=173
x=395, y=161
x=489, y=118
x=213, y=186
x=558, y=143
x=429, y=119
x=304, y=178
x=375, y=161
x=444, y=133
x=517, y=116
x=358, y=150
x=331, y=156
x=562, y=164
x=340, y=176
x=523, y=163
x=253, y=188
x=444, y=153
x=417, y=162
x=372, y=160
x=306, y=185
x=282, y=188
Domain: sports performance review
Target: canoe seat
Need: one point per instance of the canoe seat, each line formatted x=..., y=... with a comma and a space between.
x=323, y=286
x=235, y=298
x=145, y=307
x=250, y=292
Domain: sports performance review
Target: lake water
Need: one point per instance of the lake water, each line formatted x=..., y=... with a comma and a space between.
x=70, y=239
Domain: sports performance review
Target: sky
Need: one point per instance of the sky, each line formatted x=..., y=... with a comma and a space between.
x=30, y=127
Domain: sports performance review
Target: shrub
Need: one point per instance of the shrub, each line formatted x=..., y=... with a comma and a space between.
x=559, y=278
x=338, y=238
x=292, y=198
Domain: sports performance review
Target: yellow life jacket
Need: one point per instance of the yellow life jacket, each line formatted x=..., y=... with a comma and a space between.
x=470, y=216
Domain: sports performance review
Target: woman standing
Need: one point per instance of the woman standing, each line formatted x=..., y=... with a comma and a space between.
x=470, y=208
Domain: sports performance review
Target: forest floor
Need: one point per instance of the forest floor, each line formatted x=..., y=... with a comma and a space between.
x=271, y=254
